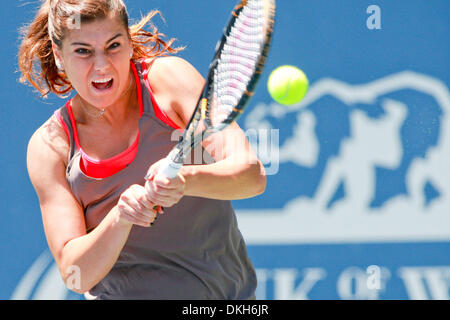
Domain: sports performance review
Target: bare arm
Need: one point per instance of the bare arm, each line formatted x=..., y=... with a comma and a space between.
x=93, y=253
x=237, y=172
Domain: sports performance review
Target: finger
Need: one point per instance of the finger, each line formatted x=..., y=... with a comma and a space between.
x=162, y=197
x=166, y=193
x=138, y=206
x=155, y=193
x=142, y=203
x=146, y=203
x=164, y=184
x=133, y=219
x=133, y=207
x=152, y=171
x=130, y=215
x=163, y=189
x=147, y=217
x=168, y=183
x=165, y=201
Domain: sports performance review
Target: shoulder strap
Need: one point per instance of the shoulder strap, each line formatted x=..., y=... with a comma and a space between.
x=150, y=105
x=138, y=70
x=63, y=117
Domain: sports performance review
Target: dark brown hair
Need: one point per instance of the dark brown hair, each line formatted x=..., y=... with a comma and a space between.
x=52, y=22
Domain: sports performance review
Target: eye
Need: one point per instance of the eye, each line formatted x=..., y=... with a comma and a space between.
x=114, y=45
x=82, y=51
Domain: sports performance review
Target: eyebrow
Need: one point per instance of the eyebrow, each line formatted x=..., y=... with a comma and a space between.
x=87, y=45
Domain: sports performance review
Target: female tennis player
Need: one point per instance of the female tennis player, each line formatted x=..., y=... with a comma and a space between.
x=87, y=162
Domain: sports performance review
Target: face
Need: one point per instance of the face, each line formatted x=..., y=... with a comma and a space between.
x=96, y=59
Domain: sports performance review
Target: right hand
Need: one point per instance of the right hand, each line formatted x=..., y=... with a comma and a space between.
x=134, y=207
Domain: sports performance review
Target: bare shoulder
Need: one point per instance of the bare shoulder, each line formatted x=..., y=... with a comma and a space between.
x=174, y=74
x=177, y=69
x=178, y=83
x=48, y=147
x=50, y=136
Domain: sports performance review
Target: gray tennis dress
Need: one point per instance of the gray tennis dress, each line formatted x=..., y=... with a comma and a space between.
x=194, y=251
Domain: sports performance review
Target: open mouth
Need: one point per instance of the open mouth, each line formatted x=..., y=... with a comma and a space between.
x=103, y=84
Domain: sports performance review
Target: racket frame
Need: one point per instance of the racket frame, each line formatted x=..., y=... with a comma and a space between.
x=189, y=140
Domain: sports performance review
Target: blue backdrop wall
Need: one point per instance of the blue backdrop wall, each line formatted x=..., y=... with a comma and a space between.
x=357, y=203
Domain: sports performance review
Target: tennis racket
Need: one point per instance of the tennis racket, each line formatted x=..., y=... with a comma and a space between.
x=237, y=65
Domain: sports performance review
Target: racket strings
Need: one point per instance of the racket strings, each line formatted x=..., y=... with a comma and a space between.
x=238, y=61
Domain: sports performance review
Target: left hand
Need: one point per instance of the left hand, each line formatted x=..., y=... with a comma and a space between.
x=163, y=191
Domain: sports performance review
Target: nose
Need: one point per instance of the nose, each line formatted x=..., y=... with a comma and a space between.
x=101, y=63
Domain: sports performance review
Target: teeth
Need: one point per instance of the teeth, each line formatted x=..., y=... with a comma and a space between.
x=103, y=80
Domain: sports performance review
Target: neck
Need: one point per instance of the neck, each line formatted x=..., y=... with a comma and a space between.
x=117, y=112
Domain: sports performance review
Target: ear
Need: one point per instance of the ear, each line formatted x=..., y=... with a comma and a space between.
x=58, y=56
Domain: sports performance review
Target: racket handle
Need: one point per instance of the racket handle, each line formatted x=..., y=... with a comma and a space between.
x=169, y=169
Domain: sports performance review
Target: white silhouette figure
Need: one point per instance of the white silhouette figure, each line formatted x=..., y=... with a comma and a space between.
x=434, y=167
x=373, y=142
x=302, y=147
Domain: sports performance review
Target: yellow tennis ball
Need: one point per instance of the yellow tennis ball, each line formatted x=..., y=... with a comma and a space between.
x=287, y=85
